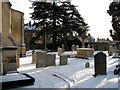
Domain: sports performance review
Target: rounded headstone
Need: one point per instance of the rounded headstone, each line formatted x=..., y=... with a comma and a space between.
x=87, y=65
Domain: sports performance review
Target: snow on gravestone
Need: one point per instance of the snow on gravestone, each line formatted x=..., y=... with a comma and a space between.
x=100, y=64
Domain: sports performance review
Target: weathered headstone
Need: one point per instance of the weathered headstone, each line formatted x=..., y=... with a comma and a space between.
x=116, y=55
x=41, y=59
x=77, y=47
x=34, y=58
x=110, y=50
x=59, y=51
x=63, y=59
x=100, y=64
x=88, y=46
x=73, y=48
x=87, y=65
x=51, y=59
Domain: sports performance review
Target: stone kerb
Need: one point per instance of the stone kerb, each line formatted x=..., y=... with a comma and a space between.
x=63, y=59
x=41, y=59
x=51, y=59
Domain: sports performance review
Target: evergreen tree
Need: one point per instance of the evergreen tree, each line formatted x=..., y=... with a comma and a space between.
x=59, y=18
x=114, y=11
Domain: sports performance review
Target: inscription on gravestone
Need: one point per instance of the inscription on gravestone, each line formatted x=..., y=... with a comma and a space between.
x=100, y=64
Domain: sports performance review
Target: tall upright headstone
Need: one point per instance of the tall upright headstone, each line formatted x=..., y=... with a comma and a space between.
x=100, y=64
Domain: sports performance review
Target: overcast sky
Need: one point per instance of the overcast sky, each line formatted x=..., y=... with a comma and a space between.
x=93, y=11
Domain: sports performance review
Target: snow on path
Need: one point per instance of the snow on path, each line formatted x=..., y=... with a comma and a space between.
x=75, y=73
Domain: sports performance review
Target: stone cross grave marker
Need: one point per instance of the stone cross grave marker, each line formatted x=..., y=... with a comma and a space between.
x=100, y=64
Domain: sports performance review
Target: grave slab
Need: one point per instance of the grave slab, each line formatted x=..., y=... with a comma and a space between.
x=14, y=80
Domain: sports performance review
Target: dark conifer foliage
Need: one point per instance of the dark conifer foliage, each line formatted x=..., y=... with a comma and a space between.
x=59, y=18
x=114, y=11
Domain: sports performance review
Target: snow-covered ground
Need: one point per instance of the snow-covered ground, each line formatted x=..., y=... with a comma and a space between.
x=73, y=75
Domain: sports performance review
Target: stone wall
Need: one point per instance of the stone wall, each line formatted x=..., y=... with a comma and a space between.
x=17, y=30
x=0, y=37
x=102, y=46
x=6, y=27
x=17, y=26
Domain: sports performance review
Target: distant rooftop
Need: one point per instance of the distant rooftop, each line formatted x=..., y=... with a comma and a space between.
x=27, y=27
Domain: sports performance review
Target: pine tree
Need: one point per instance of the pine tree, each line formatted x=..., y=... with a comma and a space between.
x=59, y=18
x=114, y=11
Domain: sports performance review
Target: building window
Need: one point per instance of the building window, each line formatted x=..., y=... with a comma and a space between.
x=34, y=34
x=26, y=35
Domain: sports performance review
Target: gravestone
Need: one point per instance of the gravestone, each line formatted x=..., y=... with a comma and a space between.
x=41, y=59
x=110, y=50
x=59, y=51
x=51, y=59
x=100, y=64
x=63, y=48
x=34, y=58
x=63, y=59
x=73, y=48
x=116, y=55
x=77, y=47
x=88, y=46
x=87, y=65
